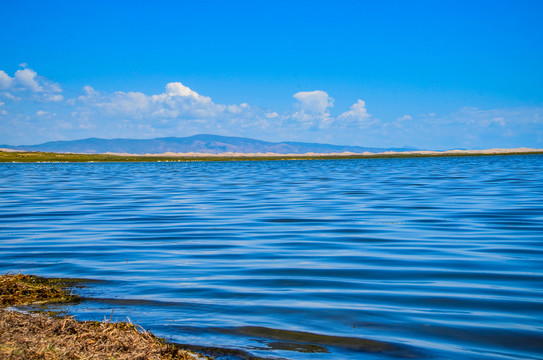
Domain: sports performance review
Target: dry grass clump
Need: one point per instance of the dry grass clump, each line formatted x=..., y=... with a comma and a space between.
x=20, y=289
x=37, y=336
x=26, y=336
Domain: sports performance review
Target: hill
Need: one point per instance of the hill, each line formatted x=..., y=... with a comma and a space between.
x=211, y=144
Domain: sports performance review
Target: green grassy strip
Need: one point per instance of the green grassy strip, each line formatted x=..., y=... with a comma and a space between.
x=28, y=157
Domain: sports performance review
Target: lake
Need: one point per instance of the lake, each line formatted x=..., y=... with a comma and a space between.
x=438, y=258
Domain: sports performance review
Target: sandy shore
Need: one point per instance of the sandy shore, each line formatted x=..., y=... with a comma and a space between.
x=522, y=150
x=30, y=156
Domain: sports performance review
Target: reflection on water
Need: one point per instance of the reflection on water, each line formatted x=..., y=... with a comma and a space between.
x=347, y=259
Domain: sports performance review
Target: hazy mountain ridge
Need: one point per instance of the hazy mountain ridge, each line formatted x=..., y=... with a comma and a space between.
x=204, y=143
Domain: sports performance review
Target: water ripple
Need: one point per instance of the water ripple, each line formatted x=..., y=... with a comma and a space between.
x=431, y=257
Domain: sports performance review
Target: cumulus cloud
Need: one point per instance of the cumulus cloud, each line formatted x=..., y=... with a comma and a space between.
x=174, y=89
x=31, y=109
x=176, y=111
x=314, y=102
x=26, y=78
x=27, y=82
x=5, y=80
x=313, y=109
x=177, y=101
x=358, y=113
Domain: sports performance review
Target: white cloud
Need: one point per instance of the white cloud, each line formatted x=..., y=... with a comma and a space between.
x=127, y=104
x=5, y=80
x=36, y=114
x=271, y=115
x=313, y=109
x=27, y=79
x=237, y=109
x=405, y=118
x=314, y=102
x=10, y=96
x=27, y=82
x=89, y=90
x=177, y=103
x=56, y=97
x=178, y=89
x=501, y=117
x=357, y=118
x=499, y=120
x=357, y=114
x=471, y=128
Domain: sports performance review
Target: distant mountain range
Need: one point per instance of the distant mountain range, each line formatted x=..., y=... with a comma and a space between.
x=211, y=144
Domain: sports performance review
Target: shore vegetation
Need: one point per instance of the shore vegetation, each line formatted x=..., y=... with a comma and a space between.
x=35, y=335
x=34, y=156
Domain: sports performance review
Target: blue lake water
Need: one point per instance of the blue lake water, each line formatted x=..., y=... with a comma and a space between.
x=438, y=258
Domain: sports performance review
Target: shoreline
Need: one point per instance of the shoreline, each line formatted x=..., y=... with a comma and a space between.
x=15, y=156
x=37, y=334
x=29, y=330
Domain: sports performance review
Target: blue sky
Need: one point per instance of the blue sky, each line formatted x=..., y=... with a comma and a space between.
x=428, y=74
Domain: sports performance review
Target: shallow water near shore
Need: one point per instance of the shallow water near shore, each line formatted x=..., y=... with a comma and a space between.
x=437, y=258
